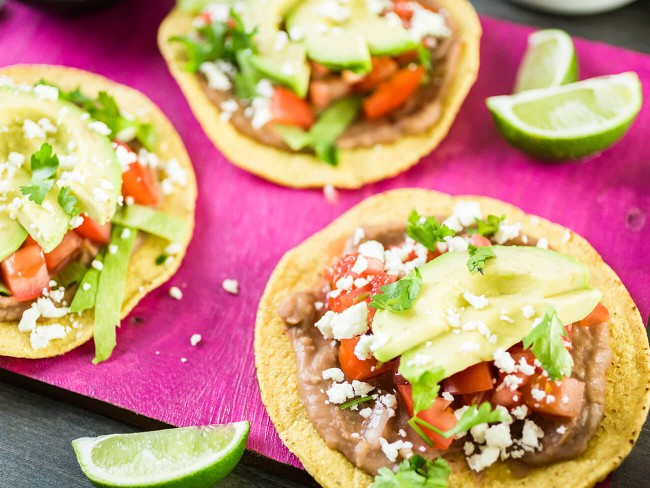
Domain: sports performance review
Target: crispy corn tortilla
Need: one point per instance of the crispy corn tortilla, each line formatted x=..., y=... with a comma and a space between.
x=143, y=275
x=628, y=378
x=357, y=166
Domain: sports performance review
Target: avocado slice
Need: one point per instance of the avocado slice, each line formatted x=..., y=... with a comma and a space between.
x=287, y=66
x=384, y=38
x=520, y=275
x=12, y=235
x=91, y=171
x=447, y=350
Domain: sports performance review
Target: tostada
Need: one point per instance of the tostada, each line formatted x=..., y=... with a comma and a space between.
x=97, y=199
x=429, y=340
x=316, y=92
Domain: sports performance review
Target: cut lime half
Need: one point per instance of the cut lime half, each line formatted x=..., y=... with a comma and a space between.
x=569, y=121
x=193, y=457
x=550, y=60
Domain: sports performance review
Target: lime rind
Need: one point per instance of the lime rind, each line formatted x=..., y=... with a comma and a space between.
x=550, y=60
x=592, y=132
x=199, y=469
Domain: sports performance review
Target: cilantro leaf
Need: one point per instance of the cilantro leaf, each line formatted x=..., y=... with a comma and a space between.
x=354, y=402
x=475, y=416
x=44, y=165
x=424, y=381
x=416, y=472
x=427, y=231
x=399, y=296
x=68, y=202
x=545, y=341
x=207, y=43
x=488, y=227
x=477, y=258
x=424, y=57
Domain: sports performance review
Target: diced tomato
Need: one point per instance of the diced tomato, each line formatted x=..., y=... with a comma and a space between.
x=206, y=17
x=471, y=380
x=93, y=231
x=563, y=398
x=393, y=93
x=480, y=241
x=476, y=398
x=25, y=273
x=404, y=10
x=383, y=68
x=319, y=70
x=325, y=91
x=407, y=58
x=597, y=316
x=504, y=396
x=381, y=279
x=288, y=108
x=139, y=183
x=344, y=268
x=355, y=368
x=30, y=241
x=438, y=415
x=349, y=298
x=64, y=252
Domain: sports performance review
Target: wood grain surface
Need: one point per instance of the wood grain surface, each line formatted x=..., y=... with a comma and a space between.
x=35, y=431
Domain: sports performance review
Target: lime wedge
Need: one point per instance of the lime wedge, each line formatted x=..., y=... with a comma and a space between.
x=186, y=457
x=550, y=60
x=569, y=121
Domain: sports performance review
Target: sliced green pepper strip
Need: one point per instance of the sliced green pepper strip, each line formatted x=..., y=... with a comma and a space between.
x=84, y=298
x=72, y=274
x=110, y=291
x=152, y=222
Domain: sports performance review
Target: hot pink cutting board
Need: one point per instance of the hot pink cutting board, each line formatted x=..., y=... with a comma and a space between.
x=245, y=224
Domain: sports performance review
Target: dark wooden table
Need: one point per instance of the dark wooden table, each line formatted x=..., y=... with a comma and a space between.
x=36, y=426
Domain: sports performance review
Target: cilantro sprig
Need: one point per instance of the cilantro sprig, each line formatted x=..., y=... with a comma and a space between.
x=399, y=296
x=489, y=226
x=425, y=383
x=545, y=341
x=104, y=108
x=477, y=258
x=415, y=472
x=427, y=231
x=44, y=165
x=68, y=202
x=354, y=402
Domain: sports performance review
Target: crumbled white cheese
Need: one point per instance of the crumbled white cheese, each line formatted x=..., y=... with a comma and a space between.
x=344, y=283
x=228, y=108
x=195, y=339
x=425, y=23
x=363, y=348
x=388, y=400
x=28, y=320
x=334, y=374
x=31, y=130
x=566, y=237
x=519, y=412
x=333, y=10
x=456, y=244
x=350, y=323
x=498, y=436
x=391, y=450
x=46, y=92
x=469, y=346
x=372, y=249
x=216, y=75
x=339, y=392
x=447, y=396
x=528, y=311
x=360, y=265
x=507, y=232
x=176, y=293
x=542, y=243
x=100, y=127
x=41, y=335
x=531, y=434
x=98, y=265
x=487, y=457
x=366, y=412
x=361, y=388
x=463, y=215
x=561, y=429
x=48, y=310
x=231, y=286
x=504, y=361
x=478, y=302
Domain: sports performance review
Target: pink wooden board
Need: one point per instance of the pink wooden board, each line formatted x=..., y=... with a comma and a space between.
x=245, y=224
